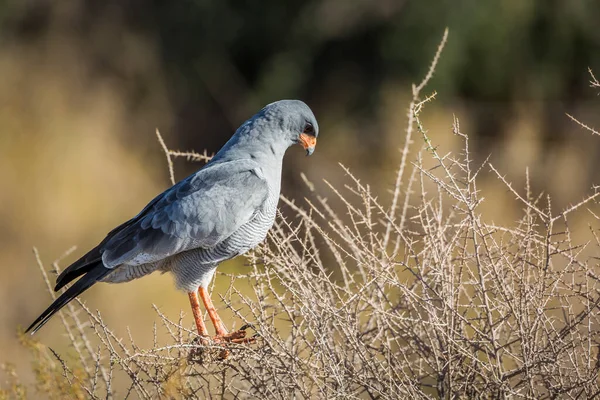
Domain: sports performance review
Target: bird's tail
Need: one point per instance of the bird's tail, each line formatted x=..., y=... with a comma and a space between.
x=91, y=277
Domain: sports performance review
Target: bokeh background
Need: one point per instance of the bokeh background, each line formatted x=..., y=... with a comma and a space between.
x=84, y=84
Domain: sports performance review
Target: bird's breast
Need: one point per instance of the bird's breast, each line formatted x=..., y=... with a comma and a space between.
x=246, y=237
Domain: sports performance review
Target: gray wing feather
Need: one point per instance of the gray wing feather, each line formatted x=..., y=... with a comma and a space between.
x=198, y=212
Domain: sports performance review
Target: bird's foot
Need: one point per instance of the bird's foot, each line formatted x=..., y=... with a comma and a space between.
x=236, y=337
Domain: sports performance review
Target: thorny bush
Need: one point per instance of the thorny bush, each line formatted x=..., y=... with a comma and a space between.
x=413, y=296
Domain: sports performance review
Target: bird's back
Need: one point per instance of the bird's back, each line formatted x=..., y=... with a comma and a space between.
x=194, y=266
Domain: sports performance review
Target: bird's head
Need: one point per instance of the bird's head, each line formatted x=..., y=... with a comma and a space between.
x=271, y=131
x=295, y=122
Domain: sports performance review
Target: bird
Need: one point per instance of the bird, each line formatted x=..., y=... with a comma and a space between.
x=217, y=213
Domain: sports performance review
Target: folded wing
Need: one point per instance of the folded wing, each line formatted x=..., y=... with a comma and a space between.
x=198, y=212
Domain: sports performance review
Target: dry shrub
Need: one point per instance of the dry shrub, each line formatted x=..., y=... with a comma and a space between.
x=356, y=297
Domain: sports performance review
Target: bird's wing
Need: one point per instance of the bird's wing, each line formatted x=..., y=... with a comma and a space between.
x=199, y=212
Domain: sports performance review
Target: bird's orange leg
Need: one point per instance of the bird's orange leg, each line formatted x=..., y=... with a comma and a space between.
x=195, y=303
x=221, y=331
x=212, y=312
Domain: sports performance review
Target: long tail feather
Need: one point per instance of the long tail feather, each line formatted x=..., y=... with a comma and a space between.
x=74, y=271
x=90, y=278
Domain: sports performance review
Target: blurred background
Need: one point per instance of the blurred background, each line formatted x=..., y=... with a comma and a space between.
x=84, y=84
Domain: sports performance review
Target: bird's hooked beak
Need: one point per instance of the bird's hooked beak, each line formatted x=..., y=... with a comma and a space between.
x=308, y=142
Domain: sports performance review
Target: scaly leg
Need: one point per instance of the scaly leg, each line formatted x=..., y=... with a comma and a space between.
x=195, y=303
x=221, y=331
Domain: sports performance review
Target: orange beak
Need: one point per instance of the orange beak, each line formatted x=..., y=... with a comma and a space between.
x=308, y=142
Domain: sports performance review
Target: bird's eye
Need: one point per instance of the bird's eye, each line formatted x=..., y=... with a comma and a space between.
x=309, y=129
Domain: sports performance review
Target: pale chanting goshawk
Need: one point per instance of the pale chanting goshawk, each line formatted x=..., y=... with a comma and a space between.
x=223, y=210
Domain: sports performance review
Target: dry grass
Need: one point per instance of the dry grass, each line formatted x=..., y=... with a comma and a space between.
x=416, y=295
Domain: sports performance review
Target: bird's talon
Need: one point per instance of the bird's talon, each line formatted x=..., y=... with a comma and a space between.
x=246, y=326
x=250, y=340
x=201, y=340
x=230, y=336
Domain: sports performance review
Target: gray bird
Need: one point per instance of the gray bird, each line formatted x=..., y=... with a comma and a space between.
x=223, y=210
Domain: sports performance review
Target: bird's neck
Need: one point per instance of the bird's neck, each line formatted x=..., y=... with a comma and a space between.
x=261, y=143
x=267, y=154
